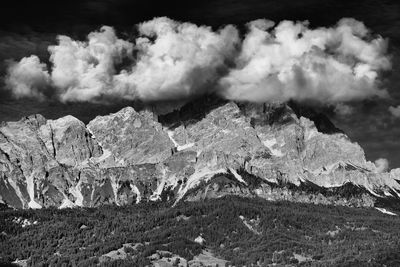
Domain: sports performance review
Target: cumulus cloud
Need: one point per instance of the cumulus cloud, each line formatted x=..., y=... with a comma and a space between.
x=395, y=111
x=84, y=71
x=176, y=60
x=382, y=165
x=170, y=60
x=28, y=78
x=81, y=71
x=291, y=61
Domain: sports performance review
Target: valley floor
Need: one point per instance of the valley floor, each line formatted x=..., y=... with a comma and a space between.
x=226, y=231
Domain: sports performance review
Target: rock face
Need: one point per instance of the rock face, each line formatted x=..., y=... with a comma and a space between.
x=207, y=149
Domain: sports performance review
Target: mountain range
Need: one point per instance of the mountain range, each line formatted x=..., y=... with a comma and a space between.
x=208, y=148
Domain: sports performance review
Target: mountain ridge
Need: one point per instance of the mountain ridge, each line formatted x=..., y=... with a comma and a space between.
x=188, y=154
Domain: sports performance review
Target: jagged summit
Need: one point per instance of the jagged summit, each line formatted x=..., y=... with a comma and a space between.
x=208, y=148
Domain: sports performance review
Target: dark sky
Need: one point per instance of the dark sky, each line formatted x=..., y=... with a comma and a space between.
x=28, y=27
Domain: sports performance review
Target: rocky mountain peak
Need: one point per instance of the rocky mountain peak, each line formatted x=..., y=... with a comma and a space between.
x=131, y=137
x=207, y=148
x=35, y=120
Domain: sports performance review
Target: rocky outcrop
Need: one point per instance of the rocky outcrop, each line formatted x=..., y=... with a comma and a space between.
x=207, y=149
x=131, y=138
x=69, y=141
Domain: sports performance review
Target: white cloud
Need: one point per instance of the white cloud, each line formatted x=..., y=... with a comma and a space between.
x=395, y=111
x=27, y=78
x=291, y=61
x=84, y=71
x=382, y=165
x=175, y=60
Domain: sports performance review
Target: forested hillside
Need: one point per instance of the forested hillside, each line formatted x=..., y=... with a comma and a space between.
x=238, y=230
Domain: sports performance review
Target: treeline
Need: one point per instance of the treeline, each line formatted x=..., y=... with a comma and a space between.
x=325, y=234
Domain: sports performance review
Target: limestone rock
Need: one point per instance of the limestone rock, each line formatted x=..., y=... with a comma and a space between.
x=68, y=140
x=207, y=149
x=132, y=137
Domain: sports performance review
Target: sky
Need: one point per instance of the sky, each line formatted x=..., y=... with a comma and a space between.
x=231, y=57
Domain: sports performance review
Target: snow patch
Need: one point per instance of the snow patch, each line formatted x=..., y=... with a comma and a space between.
x=171, y=137
x=183, y=147
x=166, y=180
x=388, y=194
x=75, y=191
x=386, y=211
x=137, y=192
x=200, y=175
x=31, y=191
x=66, y=203
x=114, y=187
x=237, y=176
x=176, y=144
x=372, y=191
x=157, y=193
x=91, y=133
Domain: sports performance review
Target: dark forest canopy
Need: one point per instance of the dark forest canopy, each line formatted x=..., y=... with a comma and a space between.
x=278, y=230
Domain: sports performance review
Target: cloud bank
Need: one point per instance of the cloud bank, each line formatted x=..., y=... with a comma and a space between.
x=170, y=60
x=290, y=61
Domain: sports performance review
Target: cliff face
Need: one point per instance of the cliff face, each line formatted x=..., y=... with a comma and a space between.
x=207, y=149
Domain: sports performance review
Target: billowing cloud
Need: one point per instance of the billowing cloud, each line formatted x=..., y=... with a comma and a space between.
x=81, y=71
x=171, y=60
x=291, y=61
x=28, y=78
x=395, y=111
x=382, y=165
x=84, y=71
x=177, y=60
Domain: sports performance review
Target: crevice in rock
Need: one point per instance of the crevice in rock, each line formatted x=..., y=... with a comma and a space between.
x=17, y=164
x=90, y=148
x=6, y=155
x=5, y=137
x=52, y=141
x=73, y=152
